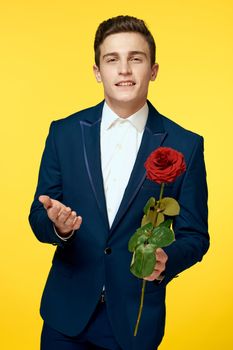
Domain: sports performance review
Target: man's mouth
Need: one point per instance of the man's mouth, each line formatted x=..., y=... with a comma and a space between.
x=126, y=83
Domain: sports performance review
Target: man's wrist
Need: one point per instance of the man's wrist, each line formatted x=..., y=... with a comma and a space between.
x=160, y=277
x=64, y=237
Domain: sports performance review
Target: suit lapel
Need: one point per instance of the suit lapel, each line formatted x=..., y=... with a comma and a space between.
x=91, y=143
x=153, y=137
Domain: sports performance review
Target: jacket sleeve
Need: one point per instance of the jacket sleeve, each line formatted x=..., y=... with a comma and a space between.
x=191, y=225
x=49, y=183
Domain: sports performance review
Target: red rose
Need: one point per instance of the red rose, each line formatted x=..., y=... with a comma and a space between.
x=164, y=165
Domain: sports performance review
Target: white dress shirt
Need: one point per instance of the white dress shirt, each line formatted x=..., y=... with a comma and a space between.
x=120, y=139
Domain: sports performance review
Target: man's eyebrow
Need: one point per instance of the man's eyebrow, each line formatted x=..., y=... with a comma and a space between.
x=130, y=53
x=138, y=53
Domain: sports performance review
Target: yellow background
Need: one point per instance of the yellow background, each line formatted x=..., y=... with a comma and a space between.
x=46, y=74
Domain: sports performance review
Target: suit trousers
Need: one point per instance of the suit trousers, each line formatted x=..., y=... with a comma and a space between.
x=97, y=335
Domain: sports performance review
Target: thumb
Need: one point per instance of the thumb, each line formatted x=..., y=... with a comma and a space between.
x=46, y=201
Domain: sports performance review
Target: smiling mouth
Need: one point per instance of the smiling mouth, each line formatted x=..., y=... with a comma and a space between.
x=125, y=83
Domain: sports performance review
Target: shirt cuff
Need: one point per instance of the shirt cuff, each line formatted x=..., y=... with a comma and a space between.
x=63, y=238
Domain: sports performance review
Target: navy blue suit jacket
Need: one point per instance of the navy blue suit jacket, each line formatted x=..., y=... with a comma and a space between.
x=70, y=172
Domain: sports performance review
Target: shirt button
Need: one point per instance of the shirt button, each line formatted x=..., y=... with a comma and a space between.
x=108, y=251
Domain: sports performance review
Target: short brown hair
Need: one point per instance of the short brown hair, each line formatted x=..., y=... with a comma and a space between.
x=121, y=24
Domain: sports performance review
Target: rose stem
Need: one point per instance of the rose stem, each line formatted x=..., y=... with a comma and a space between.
x=161, y=192
x=144, y=281
x=140, y=308
x=160, y=197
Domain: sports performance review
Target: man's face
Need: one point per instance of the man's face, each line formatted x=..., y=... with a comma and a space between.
x=125, y=69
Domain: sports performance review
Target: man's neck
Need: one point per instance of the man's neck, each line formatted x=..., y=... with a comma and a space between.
x=125, y=109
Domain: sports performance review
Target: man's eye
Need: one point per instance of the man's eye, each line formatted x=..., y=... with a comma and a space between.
x=111, y=59
x=136, y=59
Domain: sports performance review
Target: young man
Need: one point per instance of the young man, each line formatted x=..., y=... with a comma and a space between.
x=89, y=201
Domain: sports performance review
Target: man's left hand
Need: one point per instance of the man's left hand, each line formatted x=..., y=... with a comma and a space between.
x=161, y=259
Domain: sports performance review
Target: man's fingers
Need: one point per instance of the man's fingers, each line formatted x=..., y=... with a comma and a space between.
x=63, y=215
x=70, y=220
x=155, y=274
x=161, y=259
x=53, y=213
x=159, y=266
x=161, y=255
x=77, y=222
x=46, y=201
x=67, y=220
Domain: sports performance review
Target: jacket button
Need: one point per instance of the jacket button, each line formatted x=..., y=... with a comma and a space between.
x=107, y=250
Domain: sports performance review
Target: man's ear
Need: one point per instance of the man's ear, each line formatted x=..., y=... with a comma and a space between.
x=97, y=73
x=154, y=71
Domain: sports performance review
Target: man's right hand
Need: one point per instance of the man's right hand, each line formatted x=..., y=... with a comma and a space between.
x=64, y=219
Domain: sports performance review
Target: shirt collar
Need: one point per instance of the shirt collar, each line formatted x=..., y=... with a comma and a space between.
x=138, y=119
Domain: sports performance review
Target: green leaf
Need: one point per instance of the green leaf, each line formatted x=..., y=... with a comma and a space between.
x=144, y=261
x=160, y=219
x=150, y=203
x=141, y=240
x=144, y=230
x=170, y=206
x=151, y=214
x=145, y=220
x=162, y=236
x=133, y=242
x=167, y=223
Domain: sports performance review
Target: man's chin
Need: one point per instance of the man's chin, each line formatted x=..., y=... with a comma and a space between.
x=125, y=100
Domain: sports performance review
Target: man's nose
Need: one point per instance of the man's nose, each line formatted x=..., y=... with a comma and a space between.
x=124, y=68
